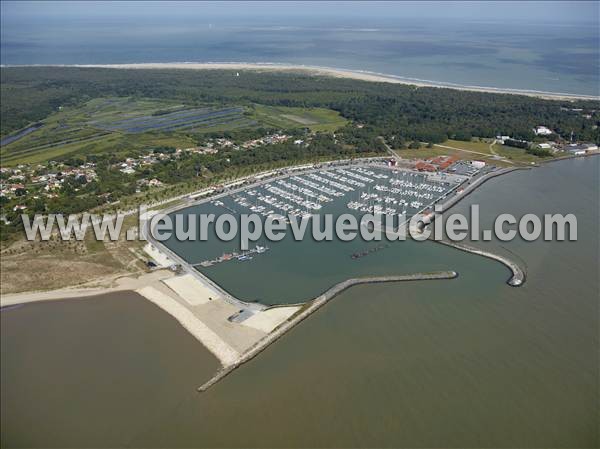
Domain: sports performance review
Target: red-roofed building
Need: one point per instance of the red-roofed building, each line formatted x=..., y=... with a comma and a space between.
x=424, y=166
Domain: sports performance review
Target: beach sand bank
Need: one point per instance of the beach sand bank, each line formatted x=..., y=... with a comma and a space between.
x=336, y=73
x=210, y=339
x=94, y=288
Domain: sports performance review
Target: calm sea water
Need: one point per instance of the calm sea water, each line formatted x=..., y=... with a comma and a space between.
x=469, y=362
x=486, y=49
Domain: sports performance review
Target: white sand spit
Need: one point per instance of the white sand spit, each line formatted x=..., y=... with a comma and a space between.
x=191, y=289
x=225, y=353
x=269, y=319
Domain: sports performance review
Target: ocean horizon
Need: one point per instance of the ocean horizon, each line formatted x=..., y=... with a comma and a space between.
x=499, y=53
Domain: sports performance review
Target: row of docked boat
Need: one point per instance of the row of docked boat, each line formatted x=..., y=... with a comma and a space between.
x=242, y=256
x=405, y=192
x=304, y=203
x=375, y=208
x=319, y=187
x=302, y=195
x=340, y=178
x=304, y=190
x=331, y=183
x=367, y=172
x=429, y=187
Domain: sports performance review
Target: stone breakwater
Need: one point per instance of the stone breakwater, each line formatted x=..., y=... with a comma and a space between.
x=518, y=274
x=311, y=307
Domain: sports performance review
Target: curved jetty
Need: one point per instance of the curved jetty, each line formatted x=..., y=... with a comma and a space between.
x=518, y=274
x=313, y=306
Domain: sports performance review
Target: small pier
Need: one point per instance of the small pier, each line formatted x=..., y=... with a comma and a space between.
x=226, y=257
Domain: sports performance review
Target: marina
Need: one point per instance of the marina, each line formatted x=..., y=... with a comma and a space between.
x=358, y=189
x=376, y=190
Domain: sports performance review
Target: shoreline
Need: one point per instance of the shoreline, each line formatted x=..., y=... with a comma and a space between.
x=363, y=75
x=124, y=282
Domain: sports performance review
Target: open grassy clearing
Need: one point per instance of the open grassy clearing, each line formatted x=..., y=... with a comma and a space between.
x=484, y=150
x=428, y=153
x=518, y=155
x=474, y=145
x=317, y=119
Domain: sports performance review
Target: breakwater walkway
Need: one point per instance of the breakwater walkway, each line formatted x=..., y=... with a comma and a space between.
x=310, y=308
x=518, y=274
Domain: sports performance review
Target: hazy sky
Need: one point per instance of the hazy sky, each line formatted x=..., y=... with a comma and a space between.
x=534, y=12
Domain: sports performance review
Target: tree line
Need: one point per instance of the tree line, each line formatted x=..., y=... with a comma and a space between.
x=408, y=112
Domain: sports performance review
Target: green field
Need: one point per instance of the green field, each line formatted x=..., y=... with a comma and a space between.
x=497, y=154
x=474, y=145
x=511, y=155
x=90, y=128
x=317, y=119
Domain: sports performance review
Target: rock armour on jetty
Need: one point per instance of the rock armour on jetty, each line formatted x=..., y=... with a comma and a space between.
x=518, y=274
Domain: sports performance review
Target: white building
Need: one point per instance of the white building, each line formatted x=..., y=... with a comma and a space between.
x=542, y=131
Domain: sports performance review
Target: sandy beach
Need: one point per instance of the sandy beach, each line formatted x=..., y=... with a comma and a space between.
x=214, y=342
x=332, y=72
x=195, y=305
x=94, y=288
